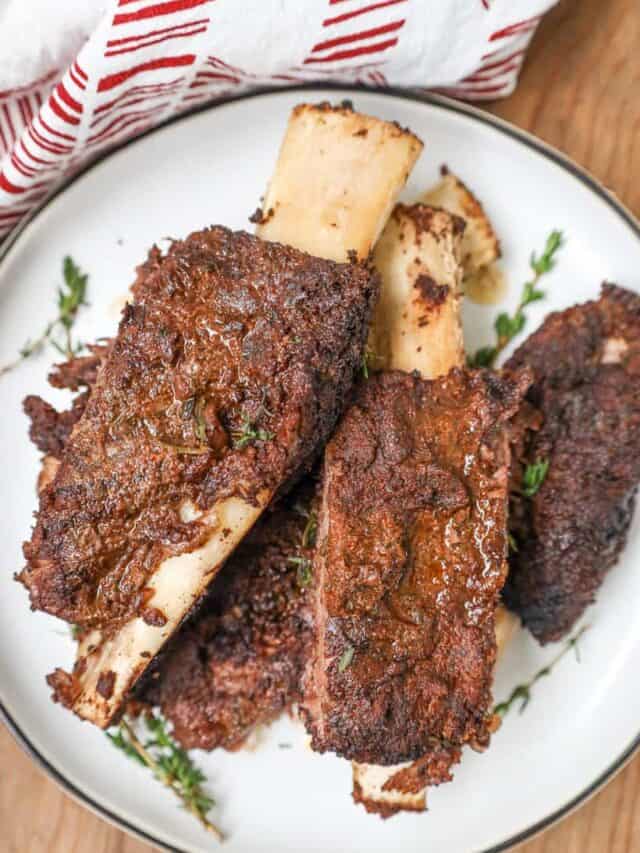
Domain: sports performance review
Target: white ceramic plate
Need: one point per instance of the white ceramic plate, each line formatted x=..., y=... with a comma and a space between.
x=211, y=167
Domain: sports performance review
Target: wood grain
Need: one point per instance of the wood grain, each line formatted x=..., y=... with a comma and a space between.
x=579, y=91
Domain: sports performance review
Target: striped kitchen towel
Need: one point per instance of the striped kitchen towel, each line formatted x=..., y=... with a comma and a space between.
x=80, y=76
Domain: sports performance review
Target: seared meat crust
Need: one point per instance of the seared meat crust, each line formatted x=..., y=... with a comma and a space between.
x=410, y=562
x=50, y=429
x=586, y=395
x=238, y=662
x=80, y=371
x=228, y=372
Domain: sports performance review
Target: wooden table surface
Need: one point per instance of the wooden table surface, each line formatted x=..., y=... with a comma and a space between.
x=580, y=91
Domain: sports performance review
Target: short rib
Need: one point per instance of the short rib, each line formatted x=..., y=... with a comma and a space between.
x=410, y=562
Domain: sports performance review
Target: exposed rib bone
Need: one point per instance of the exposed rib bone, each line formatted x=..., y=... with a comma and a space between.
x=480, y=246
x=417, y=322
x=368, y=788
x=338, y=176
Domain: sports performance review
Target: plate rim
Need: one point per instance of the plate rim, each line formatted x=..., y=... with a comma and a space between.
x=433, y=99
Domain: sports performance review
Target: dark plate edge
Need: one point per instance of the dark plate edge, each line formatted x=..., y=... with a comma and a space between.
x=418, y=96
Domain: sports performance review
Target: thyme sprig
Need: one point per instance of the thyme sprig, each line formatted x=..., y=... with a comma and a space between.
x=305, y=570
x=369, y=359
x=311, y=530
x=170, y=764
x=508, y=326
x=248, y=432
x=307, y=540
x=71, y=296
x=534, y=477
x=522, y=693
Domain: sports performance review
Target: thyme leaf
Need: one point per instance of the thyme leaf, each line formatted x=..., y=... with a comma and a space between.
x=507, y=326
x=310, y=531
x=304, y=573
x=71, y=297
x=369, y=359
x=307, y=540
x=534, y=476
x=170, y=764
x=119, y=740
x=248, y=432
x=484, y=357
x=522, y=692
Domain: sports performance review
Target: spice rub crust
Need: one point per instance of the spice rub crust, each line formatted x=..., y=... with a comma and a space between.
x=585, y=399
x=229, y=370
x=410, y=563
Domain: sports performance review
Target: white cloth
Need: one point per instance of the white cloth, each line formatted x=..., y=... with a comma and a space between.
x=81, y=75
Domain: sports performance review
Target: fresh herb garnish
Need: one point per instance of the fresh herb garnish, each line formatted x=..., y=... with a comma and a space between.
x=71, y=296
x=304, y=573
x=365, y=365
x=310, y=531
x=248, y=432
x=346, y=658
x=307, y=540
x=534, y=476
x=369, y=359
x=170, y=764
x=508, y=326
x=513, y=543
x=522, y=693
x=69, y=301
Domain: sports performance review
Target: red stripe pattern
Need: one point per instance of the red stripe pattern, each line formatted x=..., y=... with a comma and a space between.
x=365, y=29
x=150, y=59
x=498, y=71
